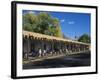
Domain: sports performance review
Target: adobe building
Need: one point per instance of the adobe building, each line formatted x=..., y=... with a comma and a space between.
x=40, y=45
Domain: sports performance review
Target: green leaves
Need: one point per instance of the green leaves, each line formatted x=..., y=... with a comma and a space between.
x=84, y=38
x=42, y=23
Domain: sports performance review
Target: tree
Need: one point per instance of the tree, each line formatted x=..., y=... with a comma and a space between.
x=56, y=25
x=42, y=23
x=30, y=22
x=84, y=38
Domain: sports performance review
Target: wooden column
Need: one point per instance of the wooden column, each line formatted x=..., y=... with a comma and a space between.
x=84, y=47
x=79, y=47
x=52, y=47
x=75, y=48
x=71, y=47
x=28, y=48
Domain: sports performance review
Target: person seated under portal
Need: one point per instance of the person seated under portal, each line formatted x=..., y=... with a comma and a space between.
x=60, y=51
x=25, y=55
x=44, y=52
x=33, y=53
x=66, y=51
x=40, y=52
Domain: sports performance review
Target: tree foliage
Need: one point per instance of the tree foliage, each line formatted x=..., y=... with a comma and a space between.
x=84, y=38
x=42, y=23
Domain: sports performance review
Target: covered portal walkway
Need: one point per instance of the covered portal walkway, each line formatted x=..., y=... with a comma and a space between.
x=39, y=46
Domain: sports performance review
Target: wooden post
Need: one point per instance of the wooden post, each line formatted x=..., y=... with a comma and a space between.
x=52, y=47
x=83, y=47
x=79, y=48
x=28, y=46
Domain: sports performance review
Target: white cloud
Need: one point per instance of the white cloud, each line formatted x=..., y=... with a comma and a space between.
x=62, y=20
x=32, y=12
x=71, y=22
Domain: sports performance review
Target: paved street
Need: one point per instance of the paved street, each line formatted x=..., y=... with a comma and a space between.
x=68, y=61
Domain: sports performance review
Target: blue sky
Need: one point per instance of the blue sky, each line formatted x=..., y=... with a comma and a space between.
x=72, y=24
